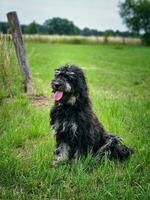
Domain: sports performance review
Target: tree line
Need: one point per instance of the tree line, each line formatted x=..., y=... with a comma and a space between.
x=135, y=14
x=62, y=26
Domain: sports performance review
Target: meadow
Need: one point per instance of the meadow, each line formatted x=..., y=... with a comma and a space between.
x=118, y=78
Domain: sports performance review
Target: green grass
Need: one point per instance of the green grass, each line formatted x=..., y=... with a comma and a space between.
x=119, y=80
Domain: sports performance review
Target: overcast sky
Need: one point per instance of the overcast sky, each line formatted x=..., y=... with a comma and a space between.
x=98, y=14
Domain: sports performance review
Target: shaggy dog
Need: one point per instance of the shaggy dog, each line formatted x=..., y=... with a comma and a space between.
x=78, y=130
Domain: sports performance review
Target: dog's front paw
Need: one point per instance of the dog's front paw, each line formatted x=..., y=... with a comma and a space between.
x=58, y=159
x=55, y=162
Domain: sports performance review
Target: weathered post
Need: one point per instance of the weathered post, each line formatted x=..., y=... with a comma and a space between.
x=20, y=51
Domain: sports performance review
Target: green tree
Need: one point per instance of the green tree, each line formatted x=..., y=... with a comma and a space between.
x=86, y=31
x=136, y=15
x=31, y=28
x=108, y=33
x=61, y=26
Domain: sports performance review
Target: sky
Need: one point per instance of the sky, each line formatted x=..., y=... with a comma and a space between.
x=97, y=14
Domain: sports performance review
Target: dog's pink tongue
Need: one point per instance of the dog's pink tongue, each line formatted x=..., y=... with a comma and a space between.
x=58, y=95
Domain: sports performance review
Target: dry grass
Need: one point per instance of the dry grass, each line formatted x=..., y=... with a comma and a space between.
x=81, y=39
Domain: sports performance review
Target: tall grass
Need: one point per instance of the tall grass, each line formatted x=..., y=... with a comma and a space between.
x=63, y=39
x=10, y=79
x=82, y=39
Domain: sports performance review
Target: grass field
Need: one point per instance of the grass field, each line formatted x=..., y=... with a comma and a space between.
x=119, y=81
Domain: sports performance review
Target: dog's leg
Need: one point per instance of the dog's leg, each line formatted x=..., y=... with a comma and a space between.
x=114, y=148
x=110, y=142
x=61, y=153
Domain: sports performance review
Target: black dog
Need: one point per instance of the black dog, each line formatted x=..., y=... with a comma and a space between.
x=77, y=128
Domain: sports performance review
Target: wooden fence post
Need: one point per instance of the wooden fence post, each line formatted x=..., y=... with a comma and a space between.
x=20, y=51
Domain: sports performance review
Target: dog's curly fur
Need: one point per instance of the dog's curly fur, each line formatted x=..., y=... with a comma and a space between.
x=78, y=130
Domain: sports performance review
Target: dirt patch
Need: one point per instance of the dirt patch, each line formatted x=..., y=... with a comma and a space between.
x=41, y=101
